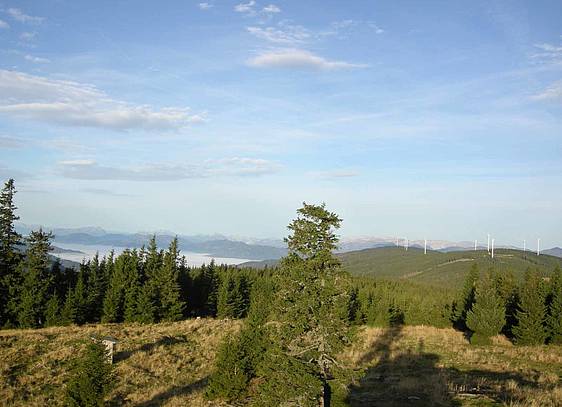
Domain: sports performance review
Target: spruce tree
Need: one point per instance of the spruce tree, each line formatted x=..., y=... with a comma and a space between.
x=53, y=311
x=10, y=280
x=227, y=297
x=531, y=313
x=554, y=319
x=36, y=281
x=487, y=316
x=115, y=295
x=92, y=378
x=171, y=305
x=80, y=298
x=466, y=298
x=310, y=312
x=212, y=282
x=68, y=312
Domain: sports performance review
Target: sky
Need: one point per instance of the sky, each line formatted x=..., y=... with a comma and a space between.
x=433, y=119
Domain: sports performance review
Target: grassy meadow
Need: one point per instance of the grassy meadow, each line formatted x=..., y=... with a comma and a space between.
x=169, y=363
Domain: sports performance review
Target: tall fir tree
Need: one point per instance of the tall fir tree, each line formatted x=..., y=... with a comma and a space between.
x=487, y=316
x=554, y=319
x=466, y=298
x=9, y=255
x=171, y=304
x=227, y=297
x=310, y=312
x=36, y=281
x=531, y=313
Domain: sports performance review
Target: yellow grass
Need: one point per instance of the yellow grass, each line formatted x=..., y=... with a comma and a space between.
x=168, y=364
x=161, y=364
x=429, y=366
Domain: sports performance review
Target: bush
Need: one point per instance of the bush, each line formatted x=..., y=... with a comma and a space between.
x=92, y=378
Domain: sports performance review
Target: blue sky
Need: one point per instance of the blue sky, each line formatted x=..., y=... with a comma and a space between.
x=428, y=119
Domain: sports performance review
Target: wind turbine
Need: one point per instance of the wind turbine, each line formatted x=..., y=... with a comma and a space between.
x=538, y=247
x=475, y=245
x=524, y=246
x=406, y=244
x=493, y=240
x=424, y=246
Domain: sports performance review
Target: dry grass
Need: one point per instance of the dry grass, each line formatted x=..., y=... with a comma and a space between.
x=430, y=366
x=168, y=364
x=163, y=364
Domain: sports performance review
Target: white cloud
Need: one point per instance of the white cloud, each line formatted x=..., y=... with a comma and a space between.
x=547, y=54
x=20, y=16
x=4, y=25
x=37, y=60
x=75, y=104
x=205, y=6
x=91, y=170
x=246, y=8
x=28, y=36
x=271, y=9
x=300, y=59
x=283, y=34
x=553, y=92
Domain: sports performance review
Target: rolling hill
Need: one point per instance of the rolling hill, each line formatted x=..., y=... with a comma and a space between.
x=437, y=268
x=446, y=269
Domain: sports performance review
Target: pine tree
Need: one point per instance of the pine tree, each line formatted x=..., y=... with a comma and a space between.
x=212, y=282
x=96, y=289
x=226, y=302
x=10, y=280
x=487, y=316
x=92, y=378
x=115, y=295
x=145, y=305
x=466, y=298
x=68, y=313
x=531, y=313
x=53, y=311
x=554, y=319
x=80, y=300
x=171, y=305
x=310, y=311
x=36, y=280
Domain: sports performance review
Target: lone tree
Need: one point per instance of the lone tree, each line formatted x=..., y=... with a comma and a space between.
x=487, y=316
x=92, y=378
x=309, y=318
x=531, y=313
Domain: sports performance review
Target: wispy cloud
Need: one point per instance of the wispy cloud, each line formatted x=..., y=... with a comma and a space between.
x=37, y=60
x=4, y=25
x=87, y=169
x=76, y=104
x=283, y=33
x=28, y=36
x=246, y=8
x=298, y=59
x=553, y=93
x=21, y=17
x=205, y=6
x=547, y=54
x=7, y=173
x=271, y=9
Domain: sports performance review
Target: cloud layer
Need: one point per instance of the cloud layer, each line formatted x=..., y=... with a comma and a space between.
x=297, y=58
x=91, y=170
x=75, y=104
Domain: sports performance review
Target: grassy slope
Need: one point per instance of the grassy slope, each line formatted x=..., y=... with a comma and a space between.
x=448, y=269
x=167, y=364
x=158, y=364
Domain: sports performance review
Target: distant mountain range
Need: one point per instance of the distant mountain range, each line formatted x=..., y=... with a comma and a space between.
x=239, y=247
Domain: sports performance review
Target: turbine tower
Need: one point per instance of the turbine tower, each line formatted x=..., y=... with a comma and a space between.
x=406, y=242
x=475, y=245
x=488, y=243
x=493, y=240
x=424, y=246
x=524, y=245
x=538, y=247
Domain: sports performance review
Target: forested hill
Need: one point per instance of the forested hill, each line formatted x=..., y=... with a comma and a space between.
x=445, y=269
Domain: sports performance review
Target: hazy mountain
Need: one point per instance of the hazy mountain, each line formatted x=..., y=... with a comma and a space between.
x=555, y=251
